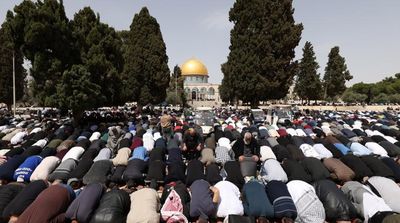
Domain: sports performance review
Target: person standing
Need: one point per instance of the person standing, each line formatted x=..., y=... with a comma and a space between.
x=191, y=146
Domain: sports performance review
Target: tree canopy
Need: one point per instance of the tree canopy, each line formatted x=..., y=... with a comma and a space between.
x=336, y=74
x=176, y=93
x=384, y=91
x=260, y=64
x=146, y=73
x=76, y=64
x=47, y=43
x=308, y=84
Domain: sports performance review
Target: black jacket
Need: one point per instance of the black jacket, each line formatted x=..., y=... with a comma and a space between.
x=337, y=206
x=238, y=148
x=114, y=207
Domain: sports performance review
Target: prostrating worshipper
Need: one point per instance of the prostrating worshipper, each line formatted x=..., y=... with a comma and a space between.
x=98, y=173
x=114, y=207
x=180, y=188
x=84, y=163
x=49, y=206
x=204, y=202
x=255, y=200
x=213, y=175
x=82, y=208
x=7, y=193
x=134, y=172
x=207, y=156
x=195, y=171
x=295, y=171
x=309, y=207
x=229, y=202
x=234, y=174
x=24, y=172
x=338, y=207
x=315, y=168
x=145, y=206
x=272, y=170
x=377, y=167
x=23, y=199
x=339, y=171
x=278, y=194
x=386, y=189
x=361, y=170
x=366, y=202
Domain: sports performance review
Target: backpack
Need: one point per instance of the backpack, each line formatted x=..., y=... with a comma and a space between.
x=172, y=210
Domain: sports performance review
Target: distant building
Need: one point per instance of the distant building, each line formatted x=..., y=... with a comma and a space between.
x=197, y=89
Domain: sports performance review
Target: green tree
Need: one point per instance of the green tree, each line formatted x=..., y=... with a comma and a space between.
x=175, y=92
x=6, y=68
x=308, y=83
x=44, y=34
x=100, y=53
x=260, y=64
x=336, y=74
x=76, y=91
x=227, y=91
x=146, y=73
x=363, y=88
x=349, y=96
x=381, y=98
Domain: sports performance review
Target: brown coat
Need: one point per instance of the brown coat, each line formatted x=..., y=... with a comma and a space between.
x=339, y=170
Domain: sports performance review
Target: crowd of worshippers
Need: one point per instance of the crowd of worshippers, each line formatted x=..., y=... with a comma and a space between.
x=319, y=167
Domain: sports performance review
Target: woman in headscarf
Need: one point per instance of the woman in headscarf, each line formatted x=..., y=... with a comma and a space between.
x=195, y=171
x=234, y=174
x=213, y=174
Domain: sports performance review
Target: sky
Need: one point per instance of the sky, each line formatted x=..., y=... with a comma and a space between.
x=367, y=31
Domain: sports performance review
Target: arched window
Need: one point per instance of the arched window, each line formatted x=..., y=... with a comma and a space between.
x=203, y=92
x=211, y=91
x=195, y=94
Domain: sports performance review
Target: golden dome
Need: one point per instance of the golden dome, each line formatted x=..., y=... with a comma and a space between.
x=194, y=67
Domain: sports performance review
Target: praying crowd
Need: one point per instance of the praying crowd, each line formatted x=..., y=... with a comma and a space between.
x=160, y=166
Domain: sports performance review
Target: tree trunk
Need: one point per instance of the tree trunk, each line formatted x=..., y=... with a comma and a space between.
x=139, y=108
x=77, y=116
x=254, y=104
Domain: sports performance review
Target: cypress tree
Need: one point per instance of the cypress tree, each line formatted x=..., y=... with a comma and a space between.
x=100, y=53
x=260, y=64
x=176, y=93
x=146, y=73
x=336, y=74
x=308, y=84
x=44, y=34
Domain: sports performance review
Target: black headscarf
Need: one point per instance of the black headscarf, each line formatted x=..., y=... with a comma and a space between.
x=234, y=174
x=195, y=171
x=156, y=171
x=212, y=174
